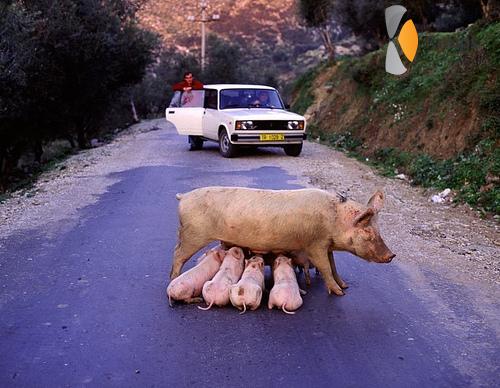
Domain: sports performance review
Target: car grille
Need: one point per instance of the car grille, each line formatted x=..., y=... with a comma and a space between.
x=270, y=125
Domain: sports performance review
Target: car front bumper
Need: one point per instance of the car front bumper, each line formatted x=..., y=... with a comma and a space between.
x=254, y=138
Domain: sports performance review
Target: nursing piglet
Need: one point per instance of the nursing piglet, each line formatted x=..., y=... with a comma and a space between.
x=285, y=293
x=248, y=291
x=216, y=291
x=188, y=286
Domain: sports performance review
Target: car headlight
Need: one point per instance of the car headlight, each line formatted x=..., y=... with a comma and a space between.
x=295, y=124
x=245, y=125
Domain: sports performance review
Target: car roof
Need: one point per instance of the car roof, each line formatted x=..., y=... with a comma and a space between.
x=237, y=86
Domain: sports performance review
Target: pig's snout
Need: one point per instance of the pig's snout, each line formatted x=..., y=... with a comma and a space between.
x=388, y=258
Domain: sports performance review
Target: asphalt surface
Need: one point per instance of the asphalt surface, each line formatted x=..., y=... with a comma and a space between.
x=87, y=307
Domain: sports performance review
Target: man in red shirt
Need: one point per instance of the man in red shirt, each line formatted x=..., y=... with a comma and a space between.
x=188, y=84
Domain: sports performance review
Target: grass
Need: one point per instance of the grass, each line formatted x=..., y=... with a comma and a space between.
x=55, y=153
x=303, y=88
x=452, y=73
x=471, y=175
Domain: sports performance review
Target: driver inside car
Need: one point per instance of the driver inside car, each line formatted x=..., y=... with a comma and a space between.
x=262, y=100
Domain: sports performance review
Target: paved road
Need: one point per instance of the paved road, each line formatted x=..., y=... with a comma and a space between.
x=87, y=306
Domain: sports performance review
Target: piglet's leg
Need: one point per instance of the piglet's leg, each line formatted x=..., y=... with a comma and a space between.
x=194, y=300
x=321, y=261
x=336, y=275
x=307, y=275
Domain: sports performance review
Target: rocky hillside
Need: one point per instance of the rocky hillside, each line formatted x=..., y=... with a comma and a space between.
x=270, y=30
x=440, y=122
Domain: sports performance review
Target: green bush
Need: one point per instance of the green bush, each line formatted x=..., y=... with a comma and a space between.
x=303, y=86
x=474, y=175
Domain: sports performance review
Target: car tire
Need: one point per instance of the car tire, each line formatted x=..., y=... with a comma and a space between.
x=293, y=149
x=195, y=143
x=226, y=148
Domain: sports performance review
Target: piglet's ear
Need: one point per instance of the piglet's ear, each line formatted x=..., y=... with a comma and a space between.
x=237, y=252
x=364, y=218
x=376, y=201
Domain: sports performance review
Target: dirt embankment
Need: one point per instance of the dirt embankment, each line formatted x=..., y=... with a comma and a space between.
x=445, y=104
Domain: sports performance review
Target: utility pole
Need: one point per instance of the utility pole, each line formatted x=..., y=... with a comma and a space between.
x=203, y=19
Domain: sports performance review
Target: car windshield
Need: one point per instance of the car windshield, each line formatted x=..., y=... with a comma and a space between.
x=250, y=98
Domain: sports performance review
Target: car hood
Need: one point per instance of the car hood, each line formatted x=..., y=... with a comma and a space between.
x=261, y=114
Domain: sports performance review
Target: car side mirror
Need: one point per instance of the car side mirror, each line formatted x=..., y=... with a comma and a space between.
x=287, y=106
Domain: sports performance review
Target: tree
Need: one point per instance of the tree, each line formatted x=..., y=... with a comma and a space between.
x=96, y=51
x=365, y=18
x=17, y=56
x=318, y=14
x=62, y=64
x=223, y=61
x=491, y=9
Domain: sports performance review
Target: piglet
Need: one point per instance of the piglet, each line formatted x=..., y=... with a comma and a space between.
x=188, y=286
x=216, y=291
x=248, y=291
x=285, y=292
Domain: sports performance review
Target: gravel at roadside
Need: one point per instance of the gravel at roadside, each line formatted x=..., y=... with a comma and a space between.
x=452, y=241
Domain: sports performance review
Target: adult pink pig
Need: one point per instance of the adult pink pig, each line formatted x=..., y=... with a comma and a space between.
x=310, y=220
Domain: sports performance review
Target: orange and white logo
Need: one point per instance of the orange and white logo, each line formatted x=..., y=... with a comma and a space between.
x=407, y=39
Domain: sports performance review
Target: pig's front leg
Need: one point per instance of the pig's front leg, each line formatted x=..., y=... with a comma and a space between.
x=321, y=260
x=336, y=275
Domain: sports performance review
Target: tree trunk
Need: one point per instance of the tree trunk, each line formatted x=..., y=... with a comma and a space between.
x=71, y=141
x=327, y=40
x=81, y=138
x=38, y=150
x=3, y=166
x=134, y=111
x=491, y=9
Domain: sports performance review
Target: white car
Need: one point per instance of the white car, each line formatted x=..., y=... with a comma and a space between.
x=234, y=115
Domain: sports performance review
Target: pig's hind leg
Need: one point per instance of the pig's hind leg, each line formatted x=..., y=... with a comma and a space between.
x=321, y=261
x=189, y=242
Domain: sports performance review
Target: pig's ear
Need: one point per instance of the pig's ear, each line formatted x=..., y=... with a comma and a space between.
x=376, y=201
x=364, y=218
x=246, y=263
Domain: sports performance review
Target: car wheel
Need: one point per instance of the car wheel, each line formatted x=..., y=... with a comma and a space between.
x=226, y=148
x=293, y=149
x=195, y=143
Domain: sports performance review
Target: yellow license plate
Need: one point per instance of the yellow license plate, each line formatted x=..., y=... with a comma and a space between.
x=272, y=137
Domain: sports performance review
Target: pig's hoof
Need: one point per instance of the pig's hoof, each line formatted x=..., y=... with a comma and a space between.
x=336, y=291
x=343, y=285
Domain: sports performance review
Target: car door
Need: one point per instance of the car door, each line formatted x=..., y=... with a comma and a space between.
x=210, y=120
x=186, y=112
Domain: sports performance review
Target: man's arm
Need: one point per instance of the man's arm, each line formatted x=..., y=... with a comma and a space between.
x=197, y=85
x=178, y=87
